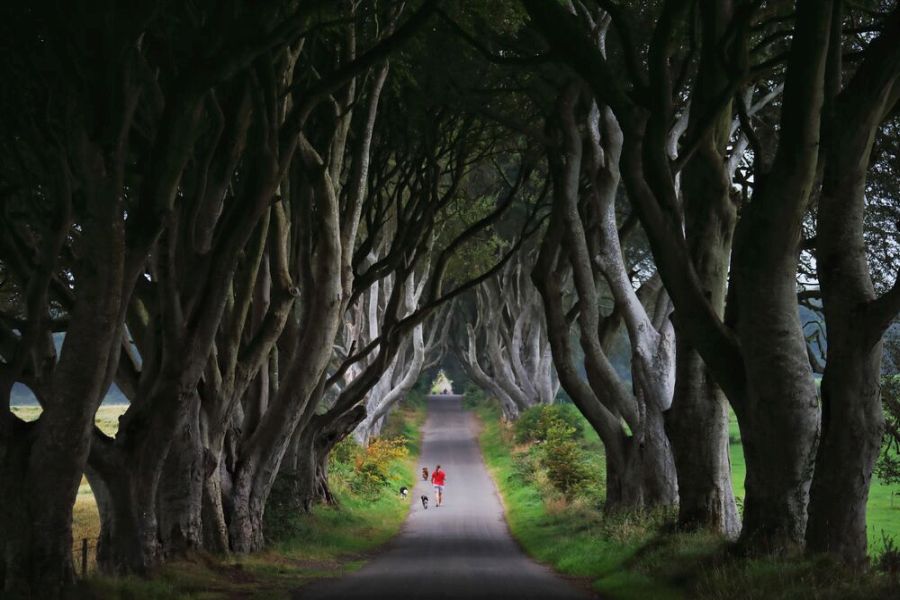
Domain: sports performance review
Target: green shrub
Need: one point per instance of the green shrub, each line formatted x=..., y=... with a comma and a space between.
x=473, y=396
x=345, y=453
x=888, y=561
x=563, y=457
x=534, y=423
x=527, y=427
x=525, y=464
x=368, y=481
x=557, y=456
x=365, y=471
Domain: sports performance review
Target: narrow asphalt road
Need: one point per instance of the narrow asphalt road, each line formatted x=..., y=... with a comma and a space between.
x=460, y=550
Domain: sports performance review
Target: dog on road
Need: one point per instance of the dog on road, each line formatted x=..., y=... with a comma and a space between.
x=425, y=502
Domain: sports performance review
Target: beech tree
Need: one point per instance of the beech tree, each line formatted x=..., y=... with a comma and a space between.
x=262, y=223
x=761, y=364
x=507, y=352
x=119, y=128
x=757, y=354
x=583, y=238
x=856, y=317
x=417, y=353
x=250, y=160
x=423, y=169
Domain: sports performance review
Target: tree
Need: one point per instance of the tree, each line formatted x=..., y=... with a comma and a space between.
x=583, y=238
x=107, y=112
x=856, y=318
x=510, y=333
x=761, y=364
x=757, y=354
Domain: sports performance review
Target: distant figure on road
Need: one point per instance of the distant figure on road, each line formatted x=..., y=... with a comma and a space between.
x=446, y=391
x=437, y=479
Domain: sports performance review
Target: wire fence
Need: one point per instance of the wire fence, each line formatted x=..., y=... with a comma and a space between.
x=84, y=555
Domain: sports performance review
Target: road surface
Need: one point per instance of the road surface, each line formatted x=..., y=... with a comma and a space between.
x=460, y=550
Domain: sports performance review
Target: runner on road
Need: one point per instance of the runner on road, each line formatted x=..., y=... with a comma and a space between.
x=437, y=479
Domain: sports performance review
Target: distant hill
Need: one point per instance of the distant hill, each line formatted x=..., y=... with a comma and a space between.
x=22, y=396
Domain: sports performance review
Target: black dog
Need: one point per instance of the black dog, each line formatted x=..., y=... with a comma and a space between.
x=425, y=502
x=404, y=491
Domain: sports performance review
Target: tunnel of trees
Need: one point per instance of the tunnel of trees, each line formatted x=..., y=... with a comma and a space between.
x=264, y=222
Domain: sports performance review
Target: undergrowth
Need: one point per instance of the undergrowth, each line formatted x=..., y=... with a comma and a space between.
x=637, y=555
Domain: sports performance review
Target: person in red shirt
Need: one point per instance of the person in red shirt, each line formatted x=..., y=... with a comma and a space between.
x=437, y=479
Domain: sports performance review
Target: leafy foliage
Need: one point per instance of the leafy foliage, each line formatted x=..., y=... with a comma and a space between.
x=535, y=423
x=555, y=454
x=367, y=470
x=563, y=458
x=363, y=480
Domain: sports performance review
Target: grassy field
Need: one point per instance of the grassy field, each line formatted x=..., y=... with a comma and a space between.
x=85, y=518
x=883, y=509
x=328, y=543
x=636, y=556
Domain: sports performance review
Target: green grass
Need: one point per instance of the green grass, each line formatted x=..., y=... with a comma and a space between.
x=637, y=556
x=330, y=542
x=570, y=538
x=882, y=510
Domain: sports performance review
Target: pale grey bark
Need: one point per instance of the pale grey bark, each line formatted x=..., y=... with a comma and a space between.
x=761, y=364
x=403, y=372
x=643, y=464
x=507, y=352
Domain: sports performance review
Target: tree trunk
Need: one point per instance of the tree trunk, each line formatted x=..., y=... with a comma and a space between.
x=698, y=420
x=215, y=528
x=245, y=529
x=181, y=489
x=852, y=419
x=624, y=480
x=852, y=425
x=42, y=465
x=37, y=536
x=309, y=478
x=640, y=473
x=129, y=538
x=781, y=419
x=300, y=480
x=698, y=429
x=659, y=479
x=129, y=469
x=216, y=485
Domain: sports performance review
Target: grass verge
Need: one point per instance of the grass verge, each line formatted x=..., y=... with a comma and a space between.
x=638, y=556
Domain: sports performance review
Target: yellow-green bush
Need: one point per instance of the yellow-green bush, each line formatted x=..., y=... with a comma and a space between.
x=534, y=423
x=562, y=457
x=366, y=470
